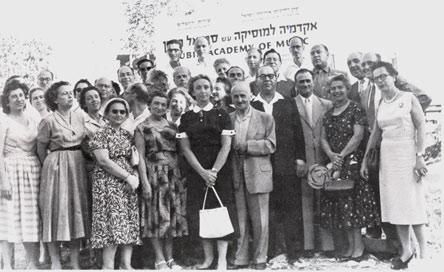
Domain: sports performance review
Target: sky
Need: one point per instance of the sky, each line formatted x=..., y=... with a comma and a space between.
x=86, y=35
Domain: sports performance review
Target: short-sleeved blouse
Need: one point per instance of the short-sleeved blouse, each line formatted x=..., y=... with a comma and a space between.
x=60, y=131
x=339, y=128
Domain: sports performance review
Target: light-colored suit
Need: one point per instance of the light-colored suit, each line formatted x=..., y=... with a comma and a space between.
x=313, y=154
x=253, y=181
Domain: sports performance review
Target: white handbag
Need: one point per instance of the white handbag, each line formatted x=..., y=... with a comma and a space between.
x=214, y=223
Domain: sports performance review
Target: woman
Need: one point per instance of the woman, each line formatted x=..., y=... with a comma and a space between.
x=205, y=139
x=221, y=97
x=79, y=86
x=179, y=104
x=19, y=213
x=115, y=211
x=400, y=123
x=163, y=188
x=37, y=100
x=63, y=190
x=342, y=133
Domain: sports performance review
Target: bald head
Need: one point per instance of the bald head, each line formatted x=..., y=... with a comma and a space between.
x=241, y=95
x=105, y=87
x=354, y=64
x=181, y=76
x=368, y=61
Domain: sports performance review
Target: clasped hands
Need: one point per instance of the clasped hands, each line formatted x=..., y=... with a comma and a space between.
x=209, y=176
x=132, y=182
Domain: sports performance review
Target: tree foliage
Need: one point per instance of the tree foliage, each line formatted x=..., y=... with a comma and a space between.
x=22, y=57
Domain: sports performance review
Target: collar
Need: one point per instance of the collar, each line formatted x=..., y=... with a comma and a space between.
x=305, y=98
x=326, y=69
x=208, y=107
x=277, y=96
x=246, y=116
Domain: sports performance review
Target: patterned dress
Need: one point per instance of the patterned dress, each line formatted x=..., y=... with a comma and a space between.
x=204, y=130
x=20, y=216
x=165, y=213
x=358, y=209
x=115, y=213
x=63, y=195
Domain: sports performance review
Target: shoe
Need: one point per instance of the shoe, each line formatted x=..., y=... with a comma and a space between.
x=359, y=259
x=343, y=259
x=232, y=266
x=398, y=264
x=173, y=265
x=308, y=254
x=260, y=266
x=162, y=265
x=212, y=266
x=329, y=254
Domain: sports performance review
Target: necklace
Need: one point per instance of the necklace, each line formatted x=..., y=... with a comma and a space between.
x=388, y=101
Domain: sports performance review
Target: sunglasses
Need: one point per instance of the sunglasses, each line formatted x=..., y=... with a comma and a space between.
x=122, y=112
x=145, y=69
x=78, y=90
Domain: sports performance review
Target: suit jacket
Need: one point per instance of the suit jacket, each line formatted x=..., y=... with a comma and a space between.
x=289, y=136
x=256, y=164
x=286, y=88
x=312, y=132
x=353, y=94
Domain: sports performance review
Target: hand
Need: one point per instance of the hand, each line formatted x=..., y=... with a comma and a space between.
x=301, y=168
x=209, y=177
x=146, y=191
x=337, y=161
x=364, y=171
x=133, y=181
x=241, y=148
x=420, y=167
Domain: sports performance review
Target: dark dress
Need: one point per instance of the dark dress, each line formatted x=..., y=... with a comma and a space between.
x=204, y=131
x=115, y=219
x=358, y=209
x=164, y=215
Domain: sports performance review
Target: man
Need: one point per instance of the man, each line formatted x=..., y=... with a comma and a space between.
x=311, y=111
x=285, y=87
x=144, y=65
x=354, y=62
x=296, y=48
x=125, y=75
x=221, y=67
x=44, y=79
x=181, y=76
x=137, y=96
x=253, y=59
x=321, y=71
x=105, y=87
x=253, y=144
x=288, y=163
x=235, y=73
x=204, y=62
x=174, y=51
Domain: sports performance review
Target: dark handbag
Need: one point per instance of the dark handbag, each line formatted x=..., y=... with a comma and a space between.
x=341, y=187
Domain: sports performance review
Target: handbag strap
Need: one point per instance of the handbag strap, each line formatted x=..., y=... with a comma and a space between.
x=205, y=198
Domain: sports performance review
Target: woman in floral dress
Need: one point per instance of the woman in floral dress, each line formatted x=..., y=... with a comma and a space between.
x=343, y=131
x=164, y=202
x=115, y=211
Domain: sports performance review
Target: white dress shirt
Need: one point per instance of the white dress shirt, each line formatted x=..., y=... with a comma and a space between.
x=268, y=107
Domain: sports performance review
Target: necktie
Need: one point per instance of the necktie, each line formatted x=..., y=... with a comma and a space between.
x=308, y=111
x=361, y=86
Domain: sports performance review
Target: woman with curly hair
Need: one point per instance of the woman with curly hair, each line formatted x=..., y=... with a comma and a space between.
x=20, y=177
x=63, y=190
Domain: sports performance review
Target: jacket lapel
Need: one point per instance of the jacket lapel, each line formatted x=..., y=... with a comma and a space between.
x=253, y=124
x=316, y=109
x=301, y=109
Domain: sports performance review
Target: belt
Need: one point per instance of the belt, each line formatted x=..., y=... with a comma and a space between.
x=69, y=148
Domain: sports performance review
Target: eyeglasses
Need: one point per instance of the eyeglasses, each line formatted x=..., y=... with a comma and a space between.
x=143, y=69
x=45, y=78
x=78, y=90
x=237, y=75
x=122, y=112
x=265, y=76
x=381, y=77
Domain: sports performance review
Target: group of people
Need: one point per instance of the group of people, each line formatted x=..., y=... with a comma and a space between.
x=108, y=166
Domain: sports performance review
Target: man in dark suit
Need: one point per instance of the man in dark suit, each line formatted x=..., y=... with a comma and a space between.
x=288, y=163
x=354, y=65
x=253, y=144
x=284, y=86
